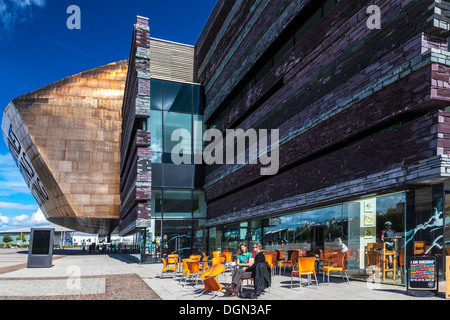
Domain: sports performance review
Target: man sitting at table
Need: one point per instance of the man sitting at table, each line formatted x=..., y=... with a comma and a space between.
x=246, y=272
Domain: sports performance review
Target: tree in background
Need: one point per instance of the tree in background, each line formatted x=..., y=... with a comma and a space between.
x=21, y=238
x=7, y=238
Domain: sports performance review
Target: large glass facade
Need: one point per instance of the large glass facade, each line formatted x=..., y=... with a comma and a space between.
x=178, y=203
x=174, y=106
x=381, y=232
x=359, y=224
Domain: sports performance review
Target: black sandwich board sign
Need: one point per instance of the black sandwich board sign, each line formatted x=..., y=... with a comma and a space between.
x=40, y=253
x=423, y=276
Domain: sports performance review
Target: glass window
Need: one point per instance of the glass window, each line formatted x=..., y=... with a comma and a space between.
x=372, y=224
x=172, y=122
x=156, y=203
x=156, y=157
x=200, y=237
x=155, y=125
x=177, y=236
x=199, y=205
x=215, y=237
x=177, y=204
x=282, y=230
x=156, y=94
x=199, y=128
x=198, y=100
x=447, y=218
x=177, y=97
x=154, y=240
x=256, y=233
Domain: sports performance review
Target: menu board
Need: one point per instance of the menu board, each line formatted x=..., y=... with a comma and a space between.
x=423, y=273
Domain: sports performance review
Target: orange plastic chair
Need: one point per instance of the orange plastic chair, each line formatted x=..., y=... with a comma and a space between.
x=167, y=268
x=210, y=280
x=216, y=254
x=185, y=268
x=340, y=268
x=281, y=254
x=227, y=256
x=172, y=260
x=306, y=266
x=193, y=271
x=216, y=260
x=195, y=257
x=205, y=257
x=227, y=259
x=292, y=263
x=269, y=259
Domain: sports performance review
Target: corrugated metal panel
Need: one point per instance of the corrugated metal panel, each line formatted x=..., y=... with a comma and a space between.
x=170, y=60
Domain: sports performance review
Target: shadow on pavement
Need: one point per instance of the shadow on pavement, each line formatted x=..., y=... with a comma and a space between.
x=125, y=257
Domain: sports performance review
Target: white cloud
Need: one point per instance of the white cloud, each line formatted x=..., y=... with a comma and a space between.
x=3, y=220
x=23, y=221
x=20, y=220
x=38, y=218
x=18, y=206
x=13, y=11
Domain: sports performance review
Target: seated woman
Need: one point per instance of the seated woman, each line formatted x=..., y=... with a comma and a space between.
x=245, y=258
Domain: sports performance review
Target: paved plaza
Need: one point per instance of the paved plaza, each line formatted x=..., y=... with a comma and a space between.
x=85, y=276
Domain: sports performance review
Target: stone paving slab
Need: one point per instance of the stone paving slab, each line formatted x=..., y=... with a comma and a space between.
x=33, y=287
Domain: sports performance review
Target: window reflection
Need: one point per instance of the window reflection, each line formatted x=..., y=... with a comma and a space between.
x=177, y=97
x=156, y=94
x=155, y=125
x=177, y=204
x=172, y=122
x=358, y=224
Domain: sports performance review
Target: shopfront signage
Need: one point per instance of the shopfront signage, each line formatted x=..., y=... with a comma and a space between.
x=423, y=274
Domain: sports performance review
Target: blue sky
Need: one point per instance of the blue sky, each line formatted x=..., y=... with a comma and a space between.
x=37, y=48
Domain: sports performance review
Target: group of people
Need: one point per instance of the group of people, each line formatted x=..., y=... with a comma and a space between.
x=246, y=267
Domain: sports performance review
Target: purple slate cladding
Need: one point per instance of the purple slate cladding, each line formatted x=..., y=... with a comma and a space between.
x=349, y=102
x=135, y=185
x=144, y=87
